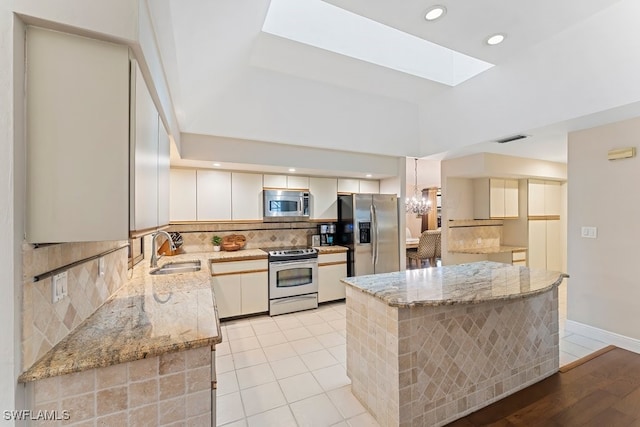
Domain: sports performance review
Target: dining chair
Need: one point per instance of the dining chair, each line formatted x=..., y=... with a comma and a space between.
x=429, y=239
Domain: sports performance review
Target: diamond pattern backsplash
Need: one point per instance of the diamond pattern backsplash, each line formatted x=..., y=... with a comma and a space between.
x=45, y=324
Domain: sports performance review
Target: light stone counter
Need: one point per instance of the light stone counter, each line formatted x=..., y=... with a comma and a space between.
x=331, y=249
x=149, y=316
x=489, y=250
x=426, y=347
x=241, y=255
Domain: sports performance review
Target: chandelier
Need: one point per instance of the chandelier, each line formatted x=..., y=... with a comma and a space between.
x=417, y=204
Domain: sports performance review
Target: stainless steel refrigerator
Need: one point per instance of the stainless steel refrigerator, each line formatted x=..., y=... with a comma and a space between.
x=368, y=226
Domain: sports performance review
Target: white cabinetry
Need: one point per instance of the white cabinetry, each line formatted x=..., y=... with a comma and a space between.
x=495, y=198
x=182, y=193
x=324, y=198
x=163, y=175
x=331, y=268
x=545, y=244
x=544, y=198
x=246, y=202
x=77, y=108
x=146, y=157
x=350, y=185
x=293, y=182
x=213, y=196
x=240, y=287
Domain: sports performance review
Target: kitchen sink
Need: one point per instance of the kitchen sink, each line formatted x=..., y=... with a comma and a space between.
x=177, y=267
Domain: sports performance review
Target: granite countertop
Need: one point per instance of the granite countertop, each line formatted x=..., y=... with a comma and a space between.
x=456, y=284
x=489, y=250
x=241, y=255
x=148, y=316
x=331, y=249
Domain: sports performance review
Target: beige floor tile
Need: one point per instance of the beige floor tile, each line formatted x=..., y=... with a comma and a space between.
x=249, y=358
x=348, y=405
x=244, y=344
x=262, y=398
x=280, y=351
x=332, y=377
x=288, y=367
x=227, y=383
x=278, y=417
x=363, y=420
x=273, y=338
x=297, y=333
x=229, y=408
x=300, y=387
x=306, y=345
x=320, y=328
x=316, y=411
x=255, y=375
x=318, y=359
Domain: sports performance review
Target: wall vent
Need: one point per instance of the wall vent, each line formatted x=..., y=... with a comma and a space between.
x=511, y=138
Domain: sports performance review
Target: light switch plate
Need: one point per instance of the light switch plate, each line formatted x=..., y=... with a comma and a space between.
x=59, y=286
x=589, y=232
x=101, y=266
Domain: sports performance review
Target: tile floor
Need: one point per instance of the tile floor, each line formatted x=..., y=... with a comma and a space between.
x=290, y=370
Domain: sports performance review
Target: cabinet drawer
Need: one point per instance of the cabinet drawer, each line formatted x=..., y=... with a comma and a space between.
x=520, y=263
x=234, y=267
x=326, y=258
x=519, y=256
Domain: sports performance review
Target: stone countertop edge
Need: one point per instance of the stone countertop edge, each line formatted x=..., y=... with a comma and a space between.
x=489, y=250
x=467, y=292
x=136, y=323
x=331, y=249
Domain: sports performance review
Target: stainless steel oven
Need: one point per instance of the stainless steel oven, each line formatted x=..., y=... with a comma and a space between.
x=293, y=280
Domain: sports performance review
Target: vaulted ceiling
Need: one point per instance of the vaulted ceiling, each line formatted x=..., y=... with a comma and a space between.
x=564, y=65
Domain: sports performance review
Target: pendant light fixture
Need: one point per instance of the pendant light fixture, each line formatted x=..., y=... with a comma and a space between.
x=417, y=204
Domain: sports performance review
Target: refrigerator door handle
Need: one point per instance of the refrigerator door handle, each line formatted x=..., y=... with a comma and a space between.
x=374, y=220
x=372, y=212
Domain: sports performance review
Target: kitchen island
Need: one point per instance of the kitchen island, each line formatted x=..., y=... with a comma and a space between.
x=426, y=347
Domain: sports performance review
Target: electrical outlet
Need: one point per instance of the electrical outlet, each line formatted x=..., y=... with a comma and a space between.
x=589, y=232
x=59, y=286
x=101, y=266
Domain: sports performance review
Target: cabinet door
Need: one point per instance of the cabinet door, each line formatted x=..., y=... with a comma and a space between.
x=369, y=186
x=511, y=198
x=330, y=288
x=346, y=185
x=246, y=201
x=213, y=199
x=537, y=256
x=163, y=175
x=182, y=195
x=227, y=293
x=77, y=129
x=536, y=198
x=255, y=292
x=554, y=251
x=274, y=181
x=324, y=198
x=496, y=198
x=552, y=198
x=298, y=182
x=144, y=153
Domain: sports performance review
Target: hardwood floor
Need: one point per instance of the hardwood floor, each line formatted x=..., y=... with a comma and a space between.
x=595, y=391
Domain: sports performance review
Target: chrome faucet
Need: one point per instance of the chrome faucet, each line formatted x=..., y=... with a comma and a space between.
x=154, y=250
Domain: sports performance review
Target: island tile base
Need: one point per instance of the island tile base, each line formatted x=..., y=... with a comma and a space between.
x=430, y=365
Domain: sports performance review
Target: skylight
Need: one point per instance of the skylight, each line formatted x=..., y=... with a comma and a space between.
x=323, y=25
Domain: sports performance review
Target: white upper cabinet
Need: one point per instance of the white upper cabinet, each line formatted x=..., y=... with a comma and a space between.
x=77, y=109
x=213, y=195
x=495, y=198
x=544, y=198
x=369, y=186
x=324, y=198
x=246, y=203
x=286, y=181
x=274, y=181
x=144, y=155
x=350, y=185
x=163, y=175
x=182, y=195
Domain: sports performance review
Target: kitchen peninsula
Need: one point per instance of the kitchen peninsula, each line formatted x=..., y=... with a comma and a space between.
x=425, y=347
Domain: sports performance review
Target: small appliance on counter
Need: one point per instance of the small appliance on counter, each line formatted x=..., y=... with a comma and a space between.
x=327, y=234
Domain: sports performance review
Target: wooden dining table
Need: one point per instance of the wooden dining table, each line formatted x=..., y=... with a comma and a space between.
x=412, y=243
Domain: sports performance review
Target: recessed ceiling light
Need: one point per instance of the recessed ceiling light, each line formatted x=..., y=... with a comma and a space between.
x=495, y=39
x=368, y=175
x=216, y=165
x=435, y=13
x=292, y=170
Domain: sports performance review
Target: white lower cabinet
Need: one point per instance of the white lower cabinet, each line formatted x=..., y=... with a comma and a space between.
x=544, y=245
x=331, y=268
x=240, y=287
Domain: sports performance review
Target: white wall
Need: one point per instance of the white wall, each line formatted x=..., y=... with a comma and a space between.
x=604, y=288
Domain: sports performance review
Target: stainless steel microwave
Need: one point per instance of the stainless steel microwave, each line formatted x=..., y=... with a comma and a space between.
x=286, y=205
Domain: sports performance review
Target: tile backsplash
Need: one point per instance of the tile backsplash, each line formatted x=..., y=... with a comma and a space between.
x=474, y=236
x=197, y=237
x=45, y=323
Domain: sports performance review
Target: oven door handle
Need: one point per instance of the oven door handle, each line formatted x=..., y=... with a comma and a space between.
x=293, y=263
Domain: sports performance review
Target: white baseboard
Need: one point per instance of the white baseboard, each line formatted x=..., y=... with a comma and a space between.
x=612, y=338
